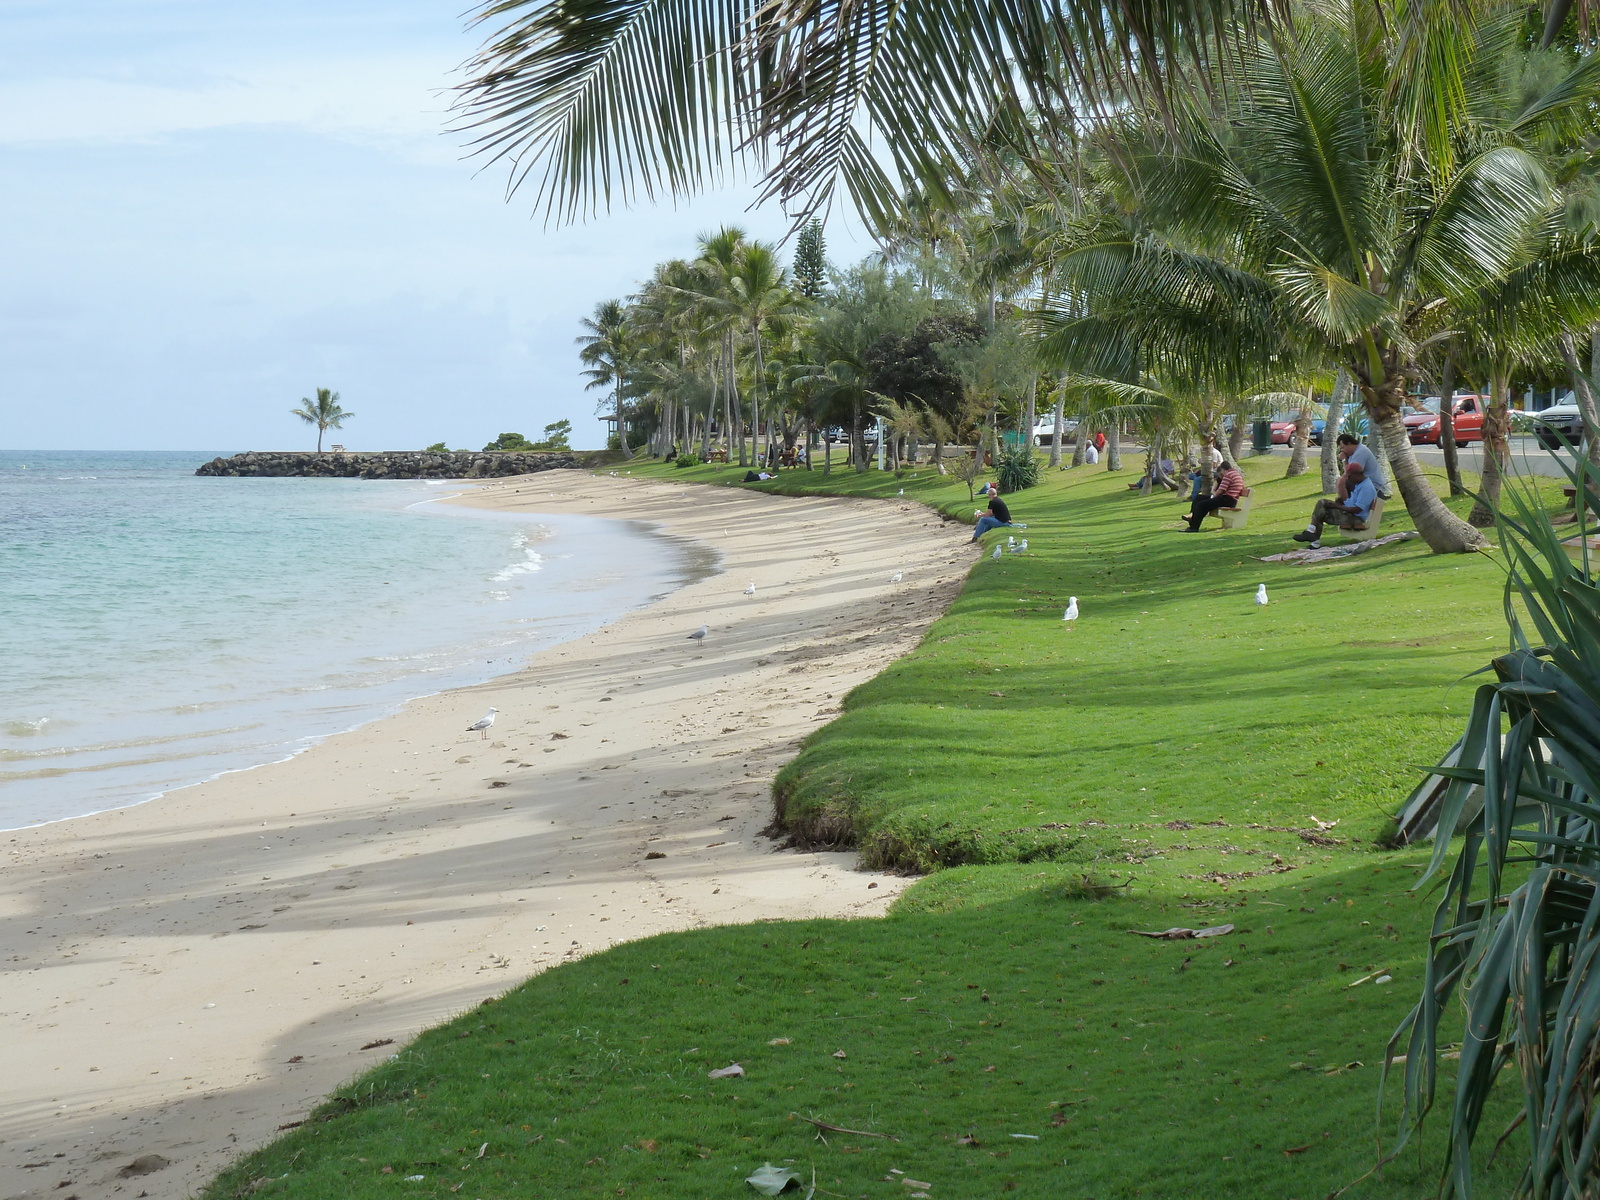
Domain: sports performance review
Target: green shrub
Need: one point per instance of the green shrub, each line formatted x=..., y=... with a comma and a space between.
x=685, y=460
x=510, y=441
x=1017, y=469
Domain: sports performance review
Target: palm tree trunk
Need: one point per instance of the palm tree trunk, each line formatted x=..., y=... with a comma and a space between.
x=1495, y=453
x=1055, y=438
x=1343, y=386
x=1114, y=446
x=1236, y=439
x=1583, y=393
x=622, y=428
x=1447, y=428
x=1444, y=532
x=1080, y=436
x=1302, y=436
x=1208, y=469
x=1031, y=416
x=321, y=429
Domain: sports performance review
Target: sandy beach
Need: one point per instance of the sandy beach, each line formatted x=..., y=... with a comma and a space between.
x=185, y=977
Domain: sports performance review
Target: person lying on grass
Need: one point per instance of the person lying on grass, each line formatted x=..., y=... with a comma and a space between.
x=1349, y=514
x=997, y=515
x=1225, y=493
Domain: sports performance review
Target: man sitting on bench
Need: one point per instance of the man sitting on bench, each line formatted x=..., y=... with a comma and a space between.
x=1350, y=513
x=1225, y=492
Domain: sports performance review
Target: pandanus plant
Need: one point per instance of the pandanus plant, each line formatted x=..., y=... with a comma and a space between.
x=1517, y=933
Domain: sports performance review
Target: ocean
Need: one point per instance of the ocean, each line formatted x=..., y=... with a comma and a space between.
x=159, y=629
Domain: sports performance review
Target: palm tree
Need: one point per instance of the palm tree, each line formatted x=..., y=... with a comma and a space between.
x=1338, y=213
x=324, y=413
x=600, y=100
x=606, y=348
x=760, y=301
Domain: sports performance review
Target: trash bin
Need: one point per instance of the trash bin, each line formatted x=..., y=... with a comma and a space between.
x=1261, y=437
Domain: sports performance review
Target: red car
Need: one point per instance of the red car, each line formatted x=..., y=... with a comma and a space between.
x=1282, y=433
x=1423, y=428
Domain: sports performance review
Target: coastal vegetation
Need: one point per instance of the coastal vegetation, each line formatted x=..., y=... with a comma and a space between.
x=324, y=412
x=1181, y=758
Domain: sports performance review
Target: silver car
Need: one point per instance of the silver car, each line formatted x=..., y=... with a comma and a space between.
x=1561, y=420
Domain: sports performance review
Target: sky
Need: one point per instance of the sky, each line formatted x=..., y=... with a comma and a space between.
x=212, y=208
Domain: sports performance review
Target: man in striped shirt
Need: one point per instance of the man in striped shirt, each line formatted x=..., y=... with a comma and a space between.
x=1225, y=493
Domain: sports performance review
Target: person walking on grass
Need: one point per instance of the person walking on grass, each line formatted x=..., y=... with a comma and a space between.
x=1228, y=488
x=996, y=516
x=1348, y=513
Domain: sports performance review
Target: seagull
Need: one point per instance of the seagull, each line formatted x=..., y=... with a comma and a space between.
x=998, y=551
x=1020, y=546
x=751, y=590
x=897, y=577
x=902, y=491
x=1072, y=609
x=1261, y=594
x=699, y=635
x=1010, y=541
x=481, y=727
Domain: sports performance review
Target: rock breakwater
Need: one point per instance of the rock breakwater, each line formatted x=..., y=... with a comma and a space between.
x=388, y=464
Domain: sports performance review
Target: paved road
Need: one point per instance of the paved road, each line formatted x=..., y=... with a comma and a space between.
x=1527, y=457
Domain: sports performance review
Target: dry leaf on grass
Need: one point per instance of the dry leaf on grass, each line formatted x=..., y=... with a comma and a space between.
x=1178, y=934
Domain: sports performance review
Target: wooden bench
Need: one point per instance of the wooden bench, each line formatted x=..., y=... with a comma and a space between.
x=1237, y=516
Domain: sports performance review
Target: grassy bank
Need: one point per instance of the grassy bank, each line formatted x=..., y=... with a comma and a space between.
x=1179, y=746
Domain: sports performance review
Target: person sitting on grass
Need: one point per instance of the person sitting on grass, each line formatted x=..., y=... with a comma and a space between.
x=997, y=515
x=1350, y=513
x=1225, y=492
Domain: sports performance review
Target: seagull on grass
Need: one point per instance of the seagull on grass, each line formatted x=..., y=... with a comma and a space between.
x=481, y=726
x=1072, y=609
x=1261, y=594
x=998, y=551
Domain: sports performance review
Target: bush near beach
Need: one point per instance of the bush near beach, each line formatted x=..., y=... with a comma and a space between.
x=1178, y=757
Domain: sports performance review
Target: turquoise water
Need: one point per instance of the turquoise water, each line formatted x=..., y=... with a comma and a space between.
x=157, y=629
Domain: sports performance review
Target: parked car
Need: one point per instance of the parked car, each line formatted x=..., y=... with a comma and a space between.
x=1422, y=428
x=1560, y=420
x=1282, y=432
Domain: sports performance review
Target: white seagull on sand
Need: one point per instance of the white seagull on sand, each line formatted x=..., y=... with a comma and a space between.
x=699, y=635
x=751, y=590
x=1261, y=594
x=897, y=577
x=1072, y=609
x=482, y=726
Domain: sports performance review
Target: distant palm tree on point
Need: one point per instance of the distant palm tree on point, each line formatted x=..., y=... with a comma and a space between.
x=324, y=413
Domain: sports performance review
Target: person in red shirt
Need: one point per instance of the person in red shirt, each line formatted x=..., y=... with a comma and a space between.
x=1225, y=493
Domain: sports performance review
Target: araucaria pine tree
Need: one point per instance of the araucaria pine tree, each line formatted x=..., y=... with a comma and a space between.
x=810, y=261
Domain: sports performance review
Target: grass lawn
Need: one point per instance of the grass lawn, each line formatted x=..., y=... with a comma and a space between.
x=1178, y=744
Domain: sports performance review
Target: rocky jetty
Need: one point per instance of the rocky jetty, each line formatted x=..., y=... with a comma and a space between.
x=387, y=464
